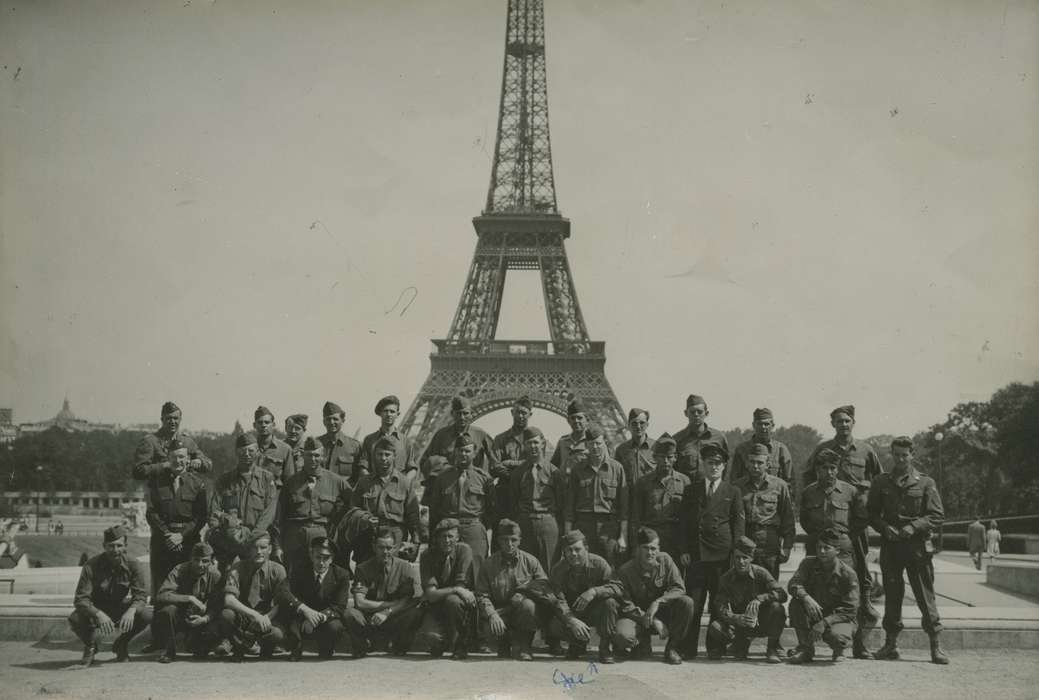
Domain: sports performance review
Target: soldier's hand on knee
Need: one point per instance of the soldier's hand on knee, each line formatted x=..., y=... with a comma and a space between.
x=196, y=604
x=196, y=620
x=126, y=621
x=579, y=629
x=263, y=622
x=379, y=618
x=104, y=623
x=497, y=625
x=813, y=610
x=818, y=629
x=584, y=600
x=752, y=609
x=465, y=594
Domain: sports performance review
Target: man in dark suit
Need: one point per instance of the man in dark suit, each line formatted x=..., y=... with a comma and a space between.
x=319, y=597
x=712, y=521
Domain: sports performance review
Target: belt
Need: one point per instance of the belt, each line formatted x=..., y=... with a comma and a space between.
x=537, y=516
x=467, y=519
x=759, y=526
x=598, y=516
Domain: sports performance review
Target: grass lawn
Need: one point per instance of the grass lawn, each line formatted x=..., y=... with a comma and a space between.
x=65, y=550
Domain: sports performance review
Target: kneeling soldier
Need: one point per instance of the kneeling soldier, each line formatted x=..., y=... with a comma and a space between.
x=319, y=595
x=749, y=604
x=255, y=589
x=905, y=508
x=652, y=595
x=825, y=600
x=579, y=580
x=508, y=614
x=189, y=601
x=385, y=600
x=448, y=579
x=110, y=595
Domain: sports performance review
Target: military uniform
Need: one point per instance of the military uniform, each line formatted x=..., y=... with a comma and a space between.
x=570, y=582
x=111, y=587
x=342, y=454
x=242, y=504
x=736, y=590
x=537, y=494
x=405, y=461
x=441, y=450
x=508, y=457
x=265, y=589
x=657, y=504
x=780, y=462
x=836, y=507
x=636, y=456
x=498, y=585
x=175, y=505
x=171, y=617
x=309, y=509
x=450, y=622
x=392, y=500
x=769, y=512
x=837, y=593
x=468, y=496
x=390, y=580
x=152, y=454
x=689, y=445
x=597, y=504
x=564, y=446
x=277, y=458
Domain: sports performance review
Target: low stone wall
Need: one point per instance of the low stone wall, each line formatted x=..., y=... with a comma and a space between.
x=1020, y=578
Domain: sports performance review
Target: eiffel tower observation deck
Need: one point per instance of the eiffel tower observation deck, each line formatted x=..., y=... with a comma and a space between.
x=520, y=228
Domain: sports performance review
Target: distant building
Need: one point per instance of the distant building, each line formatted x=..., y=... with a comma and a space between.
x=8, y=430
x=66, y=420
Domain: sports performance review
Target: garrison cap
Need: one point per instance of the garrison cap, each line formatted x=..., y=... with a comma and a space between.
x=665, y=445
x=169, y=407
x=385, y=401
x=711, y=448
x=525, y=402
x=114, y=533
x=634, y=413
x=530, y=432
x=745, y=545
x=244, y=440
x=262, y=411
x=310, y=444
x=446, y=524
x=299, y=419
x=332, y=409
x=201, y=549
x=848, y=410
x=385, y=443
x=593, y=433
x=507, y=527
x=827, y=456
x=762, y=413
x=257, y=536
x=830, y=536
x=646, y=535
x=463, y=439
x=323, y=545
x=756, y=449
x=573, y=537
x=574, y=407
x=695, y=400
x=460, y=403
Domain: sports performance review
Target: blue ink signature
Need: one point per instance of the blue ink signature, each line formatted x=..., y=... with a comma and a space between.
x=570, y=682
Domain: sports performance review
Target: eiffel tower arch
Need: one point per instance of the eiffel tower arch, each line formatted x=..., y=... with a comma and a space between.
x=520, y=228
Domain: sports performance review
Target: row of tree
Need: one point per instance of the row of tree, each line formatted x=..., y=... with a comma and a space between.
x=988, y=454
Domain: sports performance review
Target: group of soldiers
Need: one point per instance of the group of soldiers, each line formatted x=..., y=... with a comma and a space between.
x=315, y=538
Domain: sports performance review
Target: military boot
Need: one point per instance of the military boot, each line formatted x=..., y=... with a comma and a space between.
x=521, y=646
x=805, y=650
x=88, y=655
x=772, y=652
x=121, y=647
x=889, y=651
x=937, y=655
x=858, y=647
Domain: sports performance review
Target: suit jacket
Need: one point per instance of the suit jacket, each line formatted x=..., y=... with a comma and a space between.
x=331, y=598
x=710, y=527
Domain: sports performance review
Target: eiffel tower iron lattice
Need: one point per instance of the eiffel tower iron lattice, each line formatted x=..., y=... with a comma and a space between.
x=520, y=228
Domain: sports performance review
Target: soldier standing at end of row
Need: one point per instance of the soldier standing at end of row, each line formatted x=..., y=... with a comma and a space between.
x=769, y=510
x=858, y=465
x=342, y=452
x=274, y=455
x=780, y=463
x=597, y=500
x=389, y=494
x=152, y=455
x=636, y=455
x=466, y=493
x=244, y=502
x=536, y=495
x=905, y=508
x=694, y=436
x=657, y=500
x=404, y=458
x=441, y=450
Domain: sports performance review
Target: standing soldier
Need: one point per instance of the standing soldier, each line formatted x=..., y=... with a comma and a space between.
x=275, y=456
x=712, y=521
x=178, y=509
x=694, y=436
x=295, y=432
x=858, y=466
x=510, y=455
x=404, y=457
x=448, y=581
x=769, y=510
x=319, y=594
x=152, y=453
x=578, y=420
x=509, y=615
x=110, y=596
x=536, y=499
x=342, y=452
x=441, y=450
x=749, y=604
x=825, y=597
x=650, y=589
x=579, y=580
x=189, y=601
x=657, y=502
x=389, y=494
x=780, y=463
x=597, y=500
x=905, y=507
x=309, y=505
x=244, y=502
x=385, y=602
x=636, y=454
x=255, y=590
x=466, y=493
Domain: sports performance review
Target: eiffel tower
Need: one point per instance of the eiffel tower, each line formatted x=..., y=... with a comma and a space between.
x=520, y=228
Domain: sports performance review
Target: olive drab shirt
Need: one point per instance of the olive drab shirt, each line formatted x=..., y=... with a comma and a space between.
x=393, y=579
x=253, y=496
x=570, y=581
x=442, y=446
x=837, y=507
x=912, y=500
x=598, y=489
x=441, y=569
x=152, y=455
x=767, y=506
x=322, y=502
x=392, y=499
x=561, y=455
x=637, y=460
x=689, y=445
x=836, y=591
x=405, y=460
x=205, y=585
x=537, y=488
x=460, y=494
x=859, y=463
x=177, y=504
x=780, y=462
x=109, y=586
x=736, y=590
x=658, y=499
x=259, y=587
x=342, y=454
x=635, y=587
x=500, y=576
x=276, y=457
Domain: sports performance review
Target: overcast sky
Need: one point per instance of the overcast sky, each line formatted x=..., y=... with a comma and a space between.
x=792, y=204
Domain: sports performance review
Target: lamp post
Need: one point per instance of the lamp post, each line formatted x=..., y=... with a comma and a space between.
x=938, y=438
x=39, y=478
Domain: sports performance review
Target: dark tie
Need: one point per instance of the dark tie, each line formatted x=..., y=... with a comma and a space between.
x=176, y=485
x=710, y=489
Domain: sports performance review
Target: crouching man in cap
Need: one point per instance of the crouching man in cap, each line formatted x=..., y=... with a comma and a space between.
x=385, y=600
x=825, y=600
x=749, y=604
x=110, y=595
x=653, y=599
x=319, y=594
x=254, y=592
x=448, y=579
x=585, y=600
x=189, y=601
x=508, y=614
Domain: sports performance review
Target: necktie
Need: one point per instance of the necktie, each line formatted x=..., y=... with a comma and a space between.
x=710, y=489
x=176, y=485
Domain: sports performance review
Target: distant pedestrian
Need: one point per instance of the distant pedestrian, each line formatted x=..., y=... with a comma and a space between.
x=992, y=539
x=976, y=541
x=60, y=528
